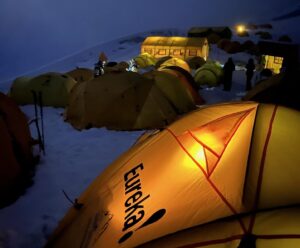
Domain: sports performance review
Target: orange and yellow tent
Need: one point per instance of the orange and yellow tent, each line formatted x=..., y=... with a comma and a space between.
x=16, y=156
x=187, y=81
x=238, y=161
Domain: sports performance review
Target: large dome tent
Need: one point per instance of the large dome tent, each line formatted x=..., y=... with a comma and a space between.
x=176, y=62
x=16, y=157
x=187, y=81
x=173, y=89
x=122, y=101
x=55, y=89
x=209, y=74
x=145, y=60
x=221, y=161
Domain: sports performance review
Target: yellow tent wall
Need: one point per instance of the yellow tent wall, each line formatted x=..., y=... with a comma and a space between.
x=273, y=229
x=179, y=47
x=216, y=162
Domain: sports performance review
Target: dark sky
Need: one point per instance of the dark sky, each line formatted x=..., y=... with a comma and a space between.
x=36, y=32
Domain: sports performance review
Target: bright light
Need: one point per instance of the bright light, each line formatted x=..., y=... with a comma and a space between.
x=240, y=29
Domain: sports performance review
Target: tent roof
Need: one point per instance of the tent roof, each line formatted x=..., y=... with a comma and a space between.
x=206, y=29
x=175, y=41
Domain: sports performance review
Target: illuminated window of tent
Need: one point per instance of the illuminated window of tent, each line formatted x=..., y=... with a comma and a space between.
x=162, y=51
x=193, y=52
x=176, y=52
x=278, y=60
x=148, y=50
x=273, y=63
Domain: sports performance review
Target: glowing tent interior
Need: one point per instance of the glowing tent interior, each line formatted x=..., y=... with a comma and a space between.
x=219, y=161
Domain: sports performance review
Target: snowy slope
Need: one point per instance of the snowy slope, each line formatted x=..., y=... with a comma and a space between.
x=73, y=159
x=121, y=49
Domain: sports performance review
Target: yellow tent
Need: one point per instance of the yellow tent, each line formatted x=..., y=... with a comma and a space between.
x=176, y=93
x=145, y=60
x=275, y=229
x=176, y=62
x=55, y=89
x=122, y=101
x=217, y=162
x=187, y=81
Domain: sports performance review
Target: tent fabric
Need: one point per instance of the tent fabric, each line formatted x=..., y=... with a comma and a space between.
x=209, y=74
x=81, y=74
x=123, y=101
x=145, y=60
x=162, y=60
x=184, y=73
x=276, y=229
x=282, y=89
x=219, y=161
x=195, y=62
x=262, y=86
x=55, y=88
x=10, y=169
x=17, y=127
x=173, y=89
x=176, y=62
x=187, y=81
x=16, y=158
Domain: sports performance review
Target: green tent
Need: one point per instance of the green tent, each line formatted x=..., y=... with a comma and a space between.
x=209, y=74
x=55, y=88
x=145, y=60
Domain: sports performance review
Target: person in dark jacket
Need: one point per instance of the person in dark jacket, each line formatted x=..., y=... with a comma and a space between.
x=228, y=69
x=250, y=67
x=98, y=69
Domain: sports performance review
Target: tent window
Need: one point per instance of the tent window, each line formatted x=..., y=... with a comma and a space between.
x=193, y=52
x=278, y=60
x=162, y=51
x=148, y=50
x=176, y=52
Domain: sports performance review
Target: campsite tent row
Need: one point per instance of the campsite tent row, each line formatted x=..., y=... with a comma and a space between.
x=170, y=92
x=219, y=161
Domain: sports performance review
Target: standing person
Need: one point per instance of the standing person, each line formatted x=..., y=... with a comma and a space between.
x=98, y=69
x=99, y=66
x=249, y=73
x=228, y=69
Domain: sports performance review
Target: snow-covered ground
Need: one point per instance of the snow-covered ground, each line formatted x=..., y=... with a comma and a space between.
x=73, y=159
